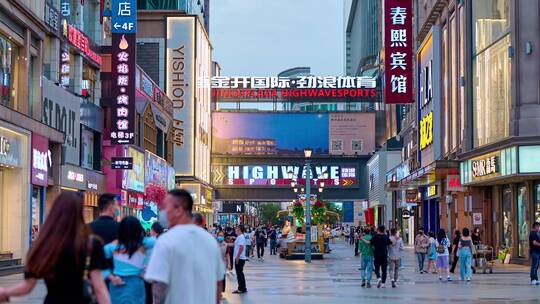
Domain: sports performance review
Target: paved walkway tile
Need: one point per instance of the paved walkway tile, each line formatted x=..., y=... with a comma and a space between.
x=336, y=279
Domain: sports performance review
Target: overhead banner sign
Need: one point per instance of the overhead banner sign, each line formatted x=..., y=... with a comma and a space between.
x=123, y=20
x=275, y=175
x=180, y=89
x=264, y=87
x=398, y=41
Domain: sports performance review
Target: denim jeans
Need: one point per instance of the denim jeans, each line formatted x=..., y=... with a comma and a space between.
x=366, y=268
x=421, y=258
x=535, y=261
x=465, y=263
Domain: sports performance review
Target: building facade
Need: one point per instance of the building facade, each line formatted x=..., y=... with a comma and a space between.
x=471, y=138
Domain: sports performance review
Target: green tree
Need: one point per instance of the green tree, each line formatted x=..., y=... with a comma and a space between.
x=268, y=213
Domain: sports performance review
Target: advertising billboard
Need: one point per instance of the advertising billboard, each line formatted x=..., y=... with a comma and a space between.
x=251, y=133
x=136, y=175
x=155, y=170
x=180, y=89
x=343, y=175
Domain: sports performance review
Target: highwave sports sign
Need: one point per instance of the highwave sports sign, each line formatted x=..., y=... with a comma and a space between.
x=244, y=87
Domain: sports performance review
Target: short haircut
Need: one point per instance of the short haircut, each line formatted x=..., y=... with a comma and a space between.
x=393, y=231
x=466, y=231
x=197, y=218
x=536, y=224
x=105, y=200
x=183, y=199
x=381, y=229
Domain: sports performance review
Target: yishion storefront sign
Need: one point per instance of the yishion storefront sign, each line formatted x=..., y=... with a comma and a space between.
x=272, y=175
x=244, y=87
x=398, y=43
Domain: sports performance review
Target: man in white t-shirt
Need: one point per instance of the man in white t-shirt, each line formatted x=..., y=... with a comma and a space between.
x=186, y=264
x=239, y=255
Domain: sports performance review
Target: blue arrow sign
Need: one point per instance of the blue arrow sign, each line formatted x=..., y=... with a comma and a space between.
x=124, y=16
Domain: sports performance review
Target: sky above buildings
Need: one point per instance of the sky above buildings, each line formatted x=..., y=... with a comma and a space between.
x=265, y=37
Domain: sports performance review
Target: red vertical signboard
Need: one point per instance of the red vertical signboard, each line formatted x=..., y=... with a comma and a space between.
x=123, y=107
x=398, y=56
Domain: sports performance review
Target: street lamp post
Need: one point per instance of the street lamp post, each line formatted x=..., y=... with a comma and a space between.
x=307, y=154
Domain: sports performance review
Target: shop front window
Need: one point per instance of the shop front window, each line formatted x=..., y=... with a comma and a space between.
x=507, y=216
x=523, y=221
x=492, y=70
x=490, y=22
x=8, y=55
x=492, y=102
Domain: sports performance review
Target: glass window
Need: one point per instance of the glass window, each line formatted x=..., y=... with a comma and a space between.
x=462, y=34
x=492, y=76
x=490, y=22
x=87, y=149
x=507, y=216
x=523, y=221
x=8, y=67
x=444, y=96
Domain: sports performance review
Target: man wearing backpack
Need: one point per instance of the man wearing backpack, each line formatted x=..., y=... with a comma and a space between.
x=421, y=248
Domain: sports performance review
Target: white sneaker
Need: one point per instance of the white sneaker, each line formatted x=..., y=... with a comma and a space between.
x=383, y=285
x=534, y=282
x=379, y=282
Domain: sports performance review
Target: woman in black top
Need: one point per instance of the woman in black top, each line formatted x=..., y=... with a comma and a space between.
x=455, y=243
x=59, y=257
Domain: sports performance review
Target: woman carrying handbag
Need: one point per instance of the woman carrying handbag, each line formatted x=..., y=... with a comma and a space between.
x=66, y=256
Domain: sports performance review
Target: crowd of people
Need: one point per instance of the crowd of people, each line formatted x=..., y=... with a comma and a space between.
x=381, y=249
x=111, y=261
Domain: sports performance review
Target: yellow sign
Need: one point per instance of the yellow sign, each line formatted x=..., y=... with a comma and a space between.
x=426, y=131
x=431, y=191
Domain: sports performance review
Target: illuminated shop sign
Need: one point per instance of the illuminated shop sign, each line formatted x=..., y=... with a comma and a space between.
x=453, y=184
x=41, y=158
x=426, y=131
x=124, y=17
x=75, y=176
x=287, y=87
x=123, y=72
x=122, y=163
x=64, y=69
x=485, y=166
x=270, y=175
x=398, y=51
x=81, y=42
x=431, y=191
x=181, y=89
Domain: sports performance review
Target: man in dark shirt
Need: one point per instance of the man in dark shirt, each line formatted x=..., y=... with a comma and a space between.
x=380, y=243
x=106, y=226
x=534, y=248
